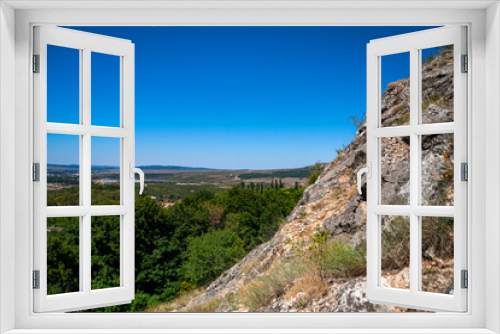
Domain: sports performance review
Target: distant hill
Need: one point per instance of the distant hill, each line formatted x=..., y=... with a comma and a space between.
x=168, y=167
x=296, y=172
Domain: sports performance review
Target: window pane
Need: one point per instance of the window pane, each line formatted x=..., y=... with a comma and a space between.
x=63, y=170
x=105, y=171
x=437, y=254
x=63, y=255
x=395, y=76
x=437, y=85
x=105, y=90
x=437, y=170
x=395, y=241
x=395, y=171
x=63, y=85
x=105, y=252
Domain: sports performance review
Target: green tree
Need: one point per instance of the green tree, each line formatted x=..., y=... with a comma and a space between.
x=211, y=254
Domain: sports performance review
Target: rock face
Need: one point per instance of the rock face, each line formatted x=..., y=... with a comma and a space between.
x=332, y=204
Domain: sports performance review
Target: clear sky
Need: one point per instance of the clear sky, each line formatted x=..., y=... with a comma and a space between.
x=226, y=97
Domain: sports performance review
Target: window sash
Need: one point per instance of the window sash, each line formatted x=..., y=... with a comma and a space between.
x=85, y=298
x=413, y=43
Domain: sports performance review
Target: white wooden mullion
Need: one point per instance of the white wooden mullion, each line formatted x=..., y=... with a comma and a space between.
x=373, y=262
x=420, y=210
x=460, y=155
x=81, y=220
x=414, y=170
x=80, y=130
x=393, y=131
x=122, y=180
x=78, y=211
x=422, y=129
x=127, y=232
x=433, y=129
x=392, y=210
x=103, y=131
x=40, y=156
x=87, y=173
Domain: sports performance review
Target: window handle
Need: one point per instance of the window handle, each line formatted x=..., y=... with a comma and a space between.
x=135, y=170
x=368, y=171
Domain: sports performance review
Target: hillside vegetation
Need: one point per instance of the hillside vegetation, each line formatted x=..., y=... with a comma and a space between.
x=177, y=249
x=316, y=260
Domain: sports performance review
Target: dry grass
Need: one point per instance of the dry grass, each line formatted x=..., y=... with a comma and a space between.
x=264, y=289
x=177, y=303
x=311, y=285
x=208, y=307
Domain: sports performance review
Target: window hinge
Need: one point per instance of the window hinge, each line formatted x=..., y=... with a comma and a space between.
x=464, y=171
x=36, y=63
x=465, y=63
x=36, y=279
x=36, y=172
x=465, y=279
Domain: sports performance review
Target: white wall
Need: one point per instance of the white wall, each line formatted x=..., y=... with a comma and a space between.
x=7, y=160
x=492, y=163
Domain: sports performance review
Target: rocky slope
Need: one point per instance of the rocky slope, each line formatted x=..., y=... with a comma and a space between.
x=332, y=204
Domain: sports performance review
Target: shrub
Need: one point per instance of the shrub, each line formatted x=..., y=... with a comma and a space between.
x=211, y=254
x=264, y=289
x=334, y=257
x=315, y=173
x=395, y=242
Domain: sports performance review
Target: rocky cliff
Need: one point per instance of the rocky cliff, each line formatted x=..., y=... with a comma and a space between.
x=274, y=276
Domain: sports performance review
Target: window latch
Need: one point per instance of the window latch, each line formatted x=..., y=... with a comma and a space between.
x=368, y=171
x=133, y=170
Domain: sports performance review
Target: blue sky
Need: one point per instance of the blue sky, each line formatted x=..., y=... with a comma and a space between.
x=227, y=97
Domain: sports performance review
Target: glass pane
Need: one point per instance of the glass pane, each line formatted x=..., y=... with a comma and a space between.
x=437, y=85
x=63, y=85
x=105, y=90
x=63, y=255
x=63, y=170
x=437, y=254
x=105, y=252
x=395, y=76
x=437, y=170
x=395, y=171
x=395, y=241
x=105, y=171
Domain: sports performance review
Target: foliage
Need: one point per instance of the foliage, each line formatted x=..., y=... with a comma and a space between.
x=63, y=262
x=298, y=172
x=264, y=289
x=340, y=150
x=210, y=254
x=315, y=173
x=357, y=121
x=330, y=257
x=176, y=249
x=395, y=242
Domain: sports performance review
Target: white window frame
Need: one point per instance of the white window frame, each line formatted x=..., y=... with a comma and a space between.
x=484, y=211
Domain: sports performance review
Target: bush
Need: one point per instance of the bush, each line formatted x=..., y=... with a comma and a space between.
x=315, y=173
x=395, y=242
x=331, y=257
x=211, y=254
x=264, y=289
